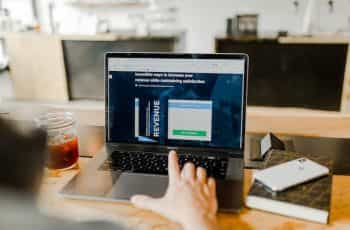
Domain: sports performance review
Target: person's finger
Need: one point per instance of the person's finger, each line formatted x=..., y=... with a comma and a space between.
x=212, y=186
x=206, y=190
x=201, y=175
x=173, y=167
x=188, y=172
x=146, y=202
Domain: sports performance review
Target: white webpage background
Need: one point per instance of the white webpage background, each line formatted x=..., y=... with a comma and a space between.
x=190, y=119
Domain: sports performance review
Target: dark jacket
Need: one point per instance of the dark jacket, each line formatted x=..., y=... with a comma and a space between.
x=22, y=157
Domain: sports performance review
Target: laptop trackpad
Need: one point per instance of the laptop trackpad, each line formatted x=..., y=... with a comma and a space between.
x=128, y=185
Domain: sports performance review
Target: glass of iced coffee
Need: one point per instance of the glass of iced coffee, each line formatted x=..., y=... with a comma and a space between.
x=62, y=139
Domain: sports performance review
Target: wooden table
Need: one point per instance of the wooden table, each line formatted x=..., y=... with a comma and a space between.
x=260, y=120
x=81, y=210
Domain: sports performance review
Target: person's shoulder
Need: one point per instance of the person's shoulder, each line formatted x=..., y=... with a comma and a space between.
x=41, y=222
x=15, y=208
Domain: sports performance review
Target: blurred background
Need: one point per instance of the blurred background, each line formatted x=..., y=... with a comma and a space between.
x=51, y=51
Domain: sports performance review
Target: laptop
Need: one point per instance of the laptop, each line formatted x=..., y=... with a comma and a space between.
x=157, y=102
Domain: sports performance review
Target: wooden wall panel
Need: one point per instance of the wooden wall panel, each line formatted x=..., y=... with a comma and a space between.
x=345, y=102
x=37, y=67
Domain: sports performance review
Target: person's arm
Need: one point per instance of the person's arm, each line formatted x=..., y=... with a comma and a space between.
x=189, y=200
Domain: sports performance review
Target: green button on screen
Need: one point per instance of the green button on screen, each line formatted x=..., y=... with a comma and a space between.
x=191, y=133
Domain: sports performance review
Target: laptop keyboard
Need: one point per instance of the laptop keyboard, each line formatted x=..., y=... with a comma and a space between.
x=157, y=163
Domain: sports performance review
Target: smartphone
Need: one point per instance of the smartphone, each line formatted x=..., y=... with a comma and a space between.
x=280, y=177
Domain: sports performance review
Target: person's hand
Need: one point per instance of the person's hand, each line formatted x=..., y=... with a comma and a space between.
x=189, y=200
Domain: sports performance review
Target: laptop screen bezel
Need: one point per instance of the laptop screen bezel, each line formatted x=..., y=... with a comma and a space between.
x=233, y=56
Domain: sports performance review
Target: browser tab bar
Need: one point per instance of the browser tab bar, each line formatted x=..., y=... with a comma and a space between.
x=222, y=66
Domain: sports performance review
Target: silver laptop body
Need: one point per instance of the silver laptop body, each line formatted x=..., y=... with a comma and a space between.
x=156, y=102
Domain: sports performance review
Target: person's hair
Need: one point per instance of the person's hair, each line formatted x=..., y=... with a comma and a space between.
x=22, y=158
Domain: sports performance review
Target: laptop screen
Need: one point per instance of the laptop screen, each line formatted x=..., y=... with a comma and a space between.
x=193, y=102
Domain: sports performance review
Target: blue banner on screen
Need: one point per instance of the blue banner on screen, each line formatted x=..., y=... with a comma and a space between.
x=179, y=109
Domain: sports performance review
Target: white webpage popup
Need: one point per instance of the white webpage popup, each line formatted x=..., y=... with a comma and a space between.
x=190, y=120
